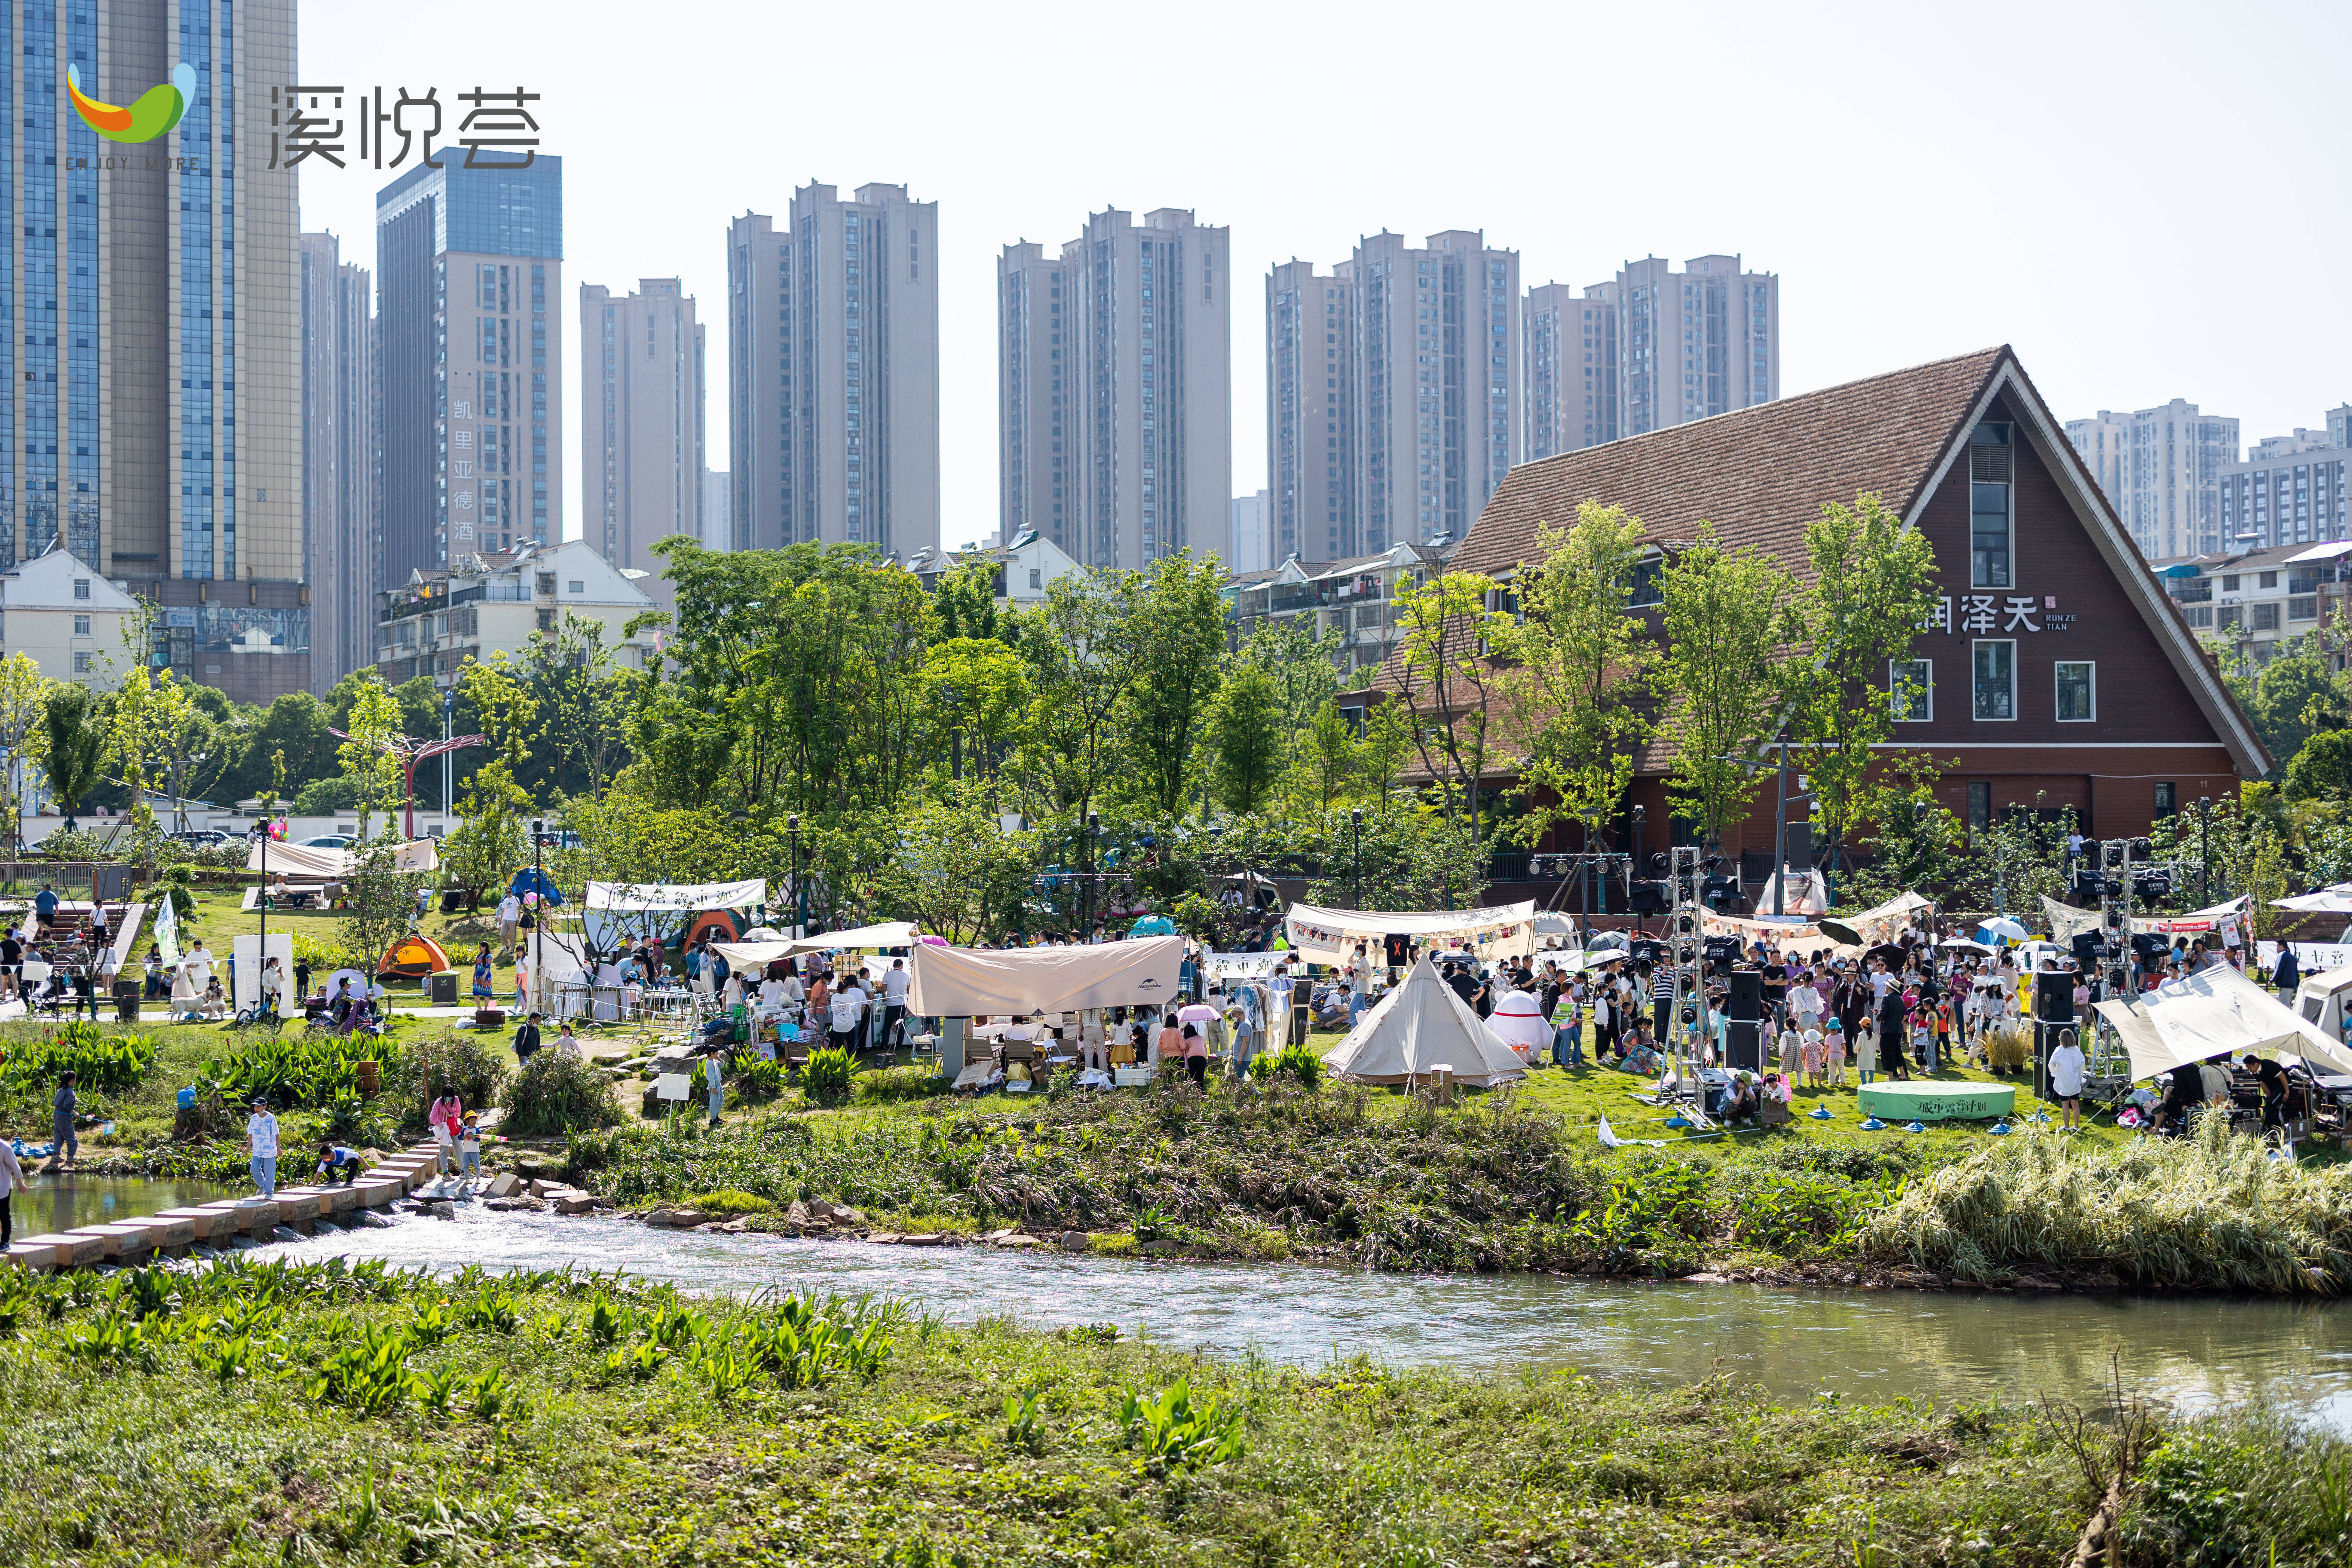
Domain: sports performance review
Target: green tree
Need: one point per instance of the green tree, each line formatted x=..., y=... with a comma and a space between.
x=1449, y=686
x=367, y=756
x=1302, y=662
x=2297, y=693
x=1869, y=593
x=958, y=873
x=1080, y=650
x=977, y=694
x=72, y=741
x=1247, y=734
x=2322, y=768
x=1576, y=674
x=1177, y=631
x=1916, y=845
x=297, y=725
x=965, y=599
x=23, y=692
x=1328, y=766
x=1729, y=613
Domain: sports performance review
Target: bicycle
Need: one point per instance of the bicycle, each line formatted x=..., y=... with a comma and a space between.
x=262, y=1017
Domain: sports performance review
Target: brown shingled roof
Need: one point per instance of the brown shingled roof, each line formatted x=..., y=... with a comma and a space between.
x=1758, y=475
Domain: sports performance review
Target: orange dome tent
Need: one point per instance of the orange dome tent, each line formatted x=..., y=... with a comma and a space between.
x=412, y=957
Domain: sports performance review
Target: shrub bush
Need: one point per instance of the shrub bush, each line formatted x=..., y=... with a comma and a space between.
x=107, y=1062
x=424, y=1069
x=1295, y=1062
x=556, y=1093
x=730, y=1201
x=899, y=1083
x=826, y=1079
x=757, y=1078
x=298, y=1071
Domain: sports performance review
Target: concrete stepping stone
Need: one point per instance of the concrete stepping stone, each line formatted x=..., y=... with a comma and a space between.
x=38, y=1257
x=120, y=1243
x=69, y=1249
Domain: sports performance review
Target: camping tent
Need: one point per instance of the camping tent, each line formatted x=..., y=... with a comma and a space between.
x=2216, y=1011
x=1319, y=935
x=966, y=982
x=1417, y=1027
x=304, y=863
x=412, y=957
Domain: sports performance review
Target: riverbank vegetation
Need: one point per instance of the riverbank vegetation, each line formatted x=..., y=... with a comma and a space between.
x=313, y=1414
x=1504, y=1182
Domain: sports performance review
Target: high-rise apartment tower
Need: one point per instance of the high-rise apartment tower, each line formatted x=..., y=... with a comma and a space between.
x=1115, y=390
x=641, y=430
x=337, y=459
x=833, y=368
x=469, y=263
x=2161, y=468
x=152, y=411
x=1393, y=390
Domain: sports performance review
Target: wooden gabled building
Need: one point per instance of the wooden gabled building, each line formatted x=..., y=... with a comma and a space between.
x=2058, y=672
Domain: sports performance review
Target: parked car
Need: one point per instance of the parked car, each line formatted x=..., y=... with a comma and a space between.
x=202, y=837
x=330, y=841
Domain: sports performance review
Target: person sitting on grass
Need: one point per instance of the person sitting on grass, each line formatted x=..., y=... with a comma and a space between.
x=334, y=1160
x=1743, y=1104
x=215, y=1005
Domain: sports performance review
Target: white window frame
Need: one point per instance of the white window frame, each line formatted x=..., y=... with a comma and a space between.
x=2010, y=643
x=1926, y=691
x=2089, y=664
x=2008, y=552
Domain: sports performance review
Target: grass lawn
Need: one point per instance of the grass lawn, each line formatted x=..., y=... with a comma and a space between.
x=251, y=1416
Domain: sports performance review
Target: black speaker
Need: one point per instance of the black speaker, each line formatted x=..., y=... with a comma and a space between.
x=2054, y=1004
x=1646, y=897
x=1746, y=1002
x=1744, y=1044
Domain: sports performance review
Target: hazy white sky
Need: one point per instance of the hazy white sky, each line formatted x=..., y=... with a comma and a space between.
x=2148, y=200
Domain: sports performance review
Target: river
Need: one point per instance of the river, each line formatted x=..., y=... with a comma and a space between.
x=1870, y=1346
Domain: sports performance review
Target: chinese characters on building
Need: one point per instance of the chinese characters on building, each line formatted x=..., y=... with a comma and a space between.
x=498, y=132
x=461, y=500
x=1988, y=613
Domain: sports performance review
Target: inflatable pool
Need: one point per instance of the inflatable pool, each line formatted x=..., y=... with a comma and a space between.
x=1930, y=1101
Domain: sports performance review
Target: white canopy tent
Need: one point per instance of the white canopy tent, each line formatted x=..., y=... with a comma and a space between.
x=966, y=982
x=323, y=865
x=636, y=897
x=2216, y=1011
x=1319, y=935
x=1417, y=1027
x=2334, y=900
x=758, y=950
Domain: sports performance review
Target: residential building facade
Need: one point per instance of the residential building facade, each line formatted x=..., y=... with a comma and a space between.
x=151, y=412
x=2290, y=489
x=1141, y=399
x=1571, y=369
x=1252, y=538
x=1394, y=391
x=641, y=432
x=436, y=622
x=2255, y=601
x=470, y=267
x=58, y=611
x=718, y=511
x=1026, y=568
x=338, y=438
x=1355, y=599
x=2052, y=673
x=2162, y=469
x=1693, y=343
x=833, y=346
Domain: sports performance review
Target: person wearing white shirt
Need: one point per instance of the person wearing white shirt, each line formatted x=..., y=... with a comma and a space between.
x=849, y=1010
x=771, y=995
x=261, y=1147
x=893, y=1002
x=2066, y=1069
x=509, y=919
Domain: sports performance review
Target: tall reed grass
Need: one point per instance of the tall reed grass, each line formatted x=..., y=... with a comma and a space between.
x=2211, y=1211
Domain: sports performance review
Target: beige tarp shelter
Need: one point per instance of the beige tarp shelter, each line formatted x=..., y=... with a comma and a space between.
x=302, y=862
x=966, y=982
x=1319, y=935
x=1417, y=1027
x=2216, y=1011
x=635, y=898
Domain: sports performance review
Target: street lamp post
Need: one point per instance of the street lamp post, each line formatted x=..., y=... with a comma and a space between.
x=2204, y=850
x=1356, y=826
x=448, y=733
x=1086, y=897
x=1633, y=866
x=800, y=888
x=539, y=920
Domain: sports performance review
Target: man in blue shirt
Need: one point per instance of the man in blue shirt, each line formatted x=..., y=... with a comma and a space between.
x=44, y=906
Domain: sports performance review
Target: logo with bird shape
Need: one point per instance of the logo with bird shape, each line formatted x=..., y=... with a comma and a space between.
x=156, y=113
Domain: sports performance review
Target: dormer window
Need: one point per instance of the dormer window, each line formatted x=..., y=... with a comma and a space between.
x=1991, y=525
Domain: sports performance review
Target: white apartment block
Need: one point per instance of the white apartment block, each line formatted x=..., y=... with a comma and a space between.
x=1701, y=342
x=1253, y=542
x=58, y=610
x=641, y=429
x=2161, y=469
x=832, y=366
x=2290, y=489
x=1393, y=393
x=338, y=435
x=1571, y=369
x=1117, y=361
x=718, y=511
x=437, y=621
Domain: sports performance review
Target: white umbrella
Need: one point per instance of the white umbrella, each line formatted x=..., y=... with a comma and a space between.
x=1196, y=1012
x=1964, y=942
x=2002, y=926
